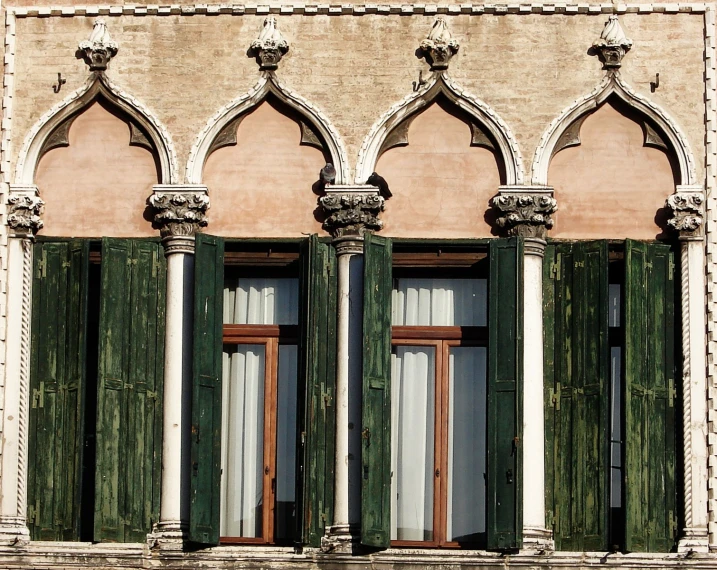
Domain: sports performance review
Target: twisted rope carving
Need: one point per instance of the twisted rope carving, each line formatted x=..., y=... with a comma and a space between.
x=686, y=383
x=24, y=377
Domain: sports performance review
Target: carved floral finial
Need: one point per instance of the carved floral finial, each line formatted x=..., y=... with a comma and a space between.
x=523, y=214
x=100, y=48
x=24, y=213
x=270, y=46
x=687, y=213
x=439, y=47
x=613, y=44
x=179, y=213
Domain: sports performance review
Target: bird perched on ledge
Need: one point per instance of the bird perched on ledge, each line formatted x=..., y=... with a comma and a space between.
x=377, y=180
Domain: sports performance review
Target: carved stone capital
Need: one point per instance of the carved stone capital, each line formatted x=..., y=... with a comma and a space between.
x=24, y=210
x=352, y=210
x=180, y=210
x=439, y=47
x=687, y=213
x=270, y=46
x=612, y=45
x=525, y=213
x=99, y=48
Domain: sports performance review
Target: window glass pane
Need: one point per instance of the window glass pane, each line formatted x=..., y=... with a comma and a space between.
x=440, y=302
x=467, y=444
x=242, y=441
x=614, y=300
x=286, y=443
x=412, y=439
x=261, y=301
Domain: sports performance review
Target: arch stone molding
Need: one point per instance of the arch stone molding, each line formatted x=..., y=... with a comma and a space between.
x=98, y=84
x=267, y=85
x=439, y=83
x=612, y=84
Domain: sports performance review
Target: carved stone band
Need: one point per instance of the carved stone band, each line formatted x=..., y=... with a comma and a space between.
x=352, y=213
x=24, y=210
x=179, y=214
x=526, y=215
x=687, y=211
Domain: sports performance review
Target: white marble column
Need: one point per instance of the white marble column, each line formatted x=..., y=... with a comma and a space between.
x=180, y=212
x=353, y=210
x=525, y=211
x=687, y=206
x=24, y=209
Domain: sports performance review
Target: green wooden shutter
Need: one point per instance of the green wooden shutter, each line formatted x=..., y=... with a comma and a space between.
x=57, y=382
x=115, y=318
x=505, y=294
x=207, y=390
x=550, y=276
x=143, y=444
x=131, y=357
x=319, y=364
x=579, y=401
x=376, y=411
x=650, y=493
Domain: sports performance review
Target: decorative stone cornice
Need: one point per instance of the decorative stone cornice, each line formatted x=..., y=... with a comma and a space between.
x=687, y=205
x=352, y=210
x=100, y=48
x=270, y=46
x=612, y=45
x=439, y=47
x=24, y=210
x=180, y=210
x=525, y=210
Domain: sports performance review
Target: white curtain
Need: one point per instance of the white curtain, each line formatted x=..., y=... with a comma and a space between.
x=261, y=301
x=466, y=443
x=412, y=436
x=286, y=442
x=440, y=302
x=242, y=441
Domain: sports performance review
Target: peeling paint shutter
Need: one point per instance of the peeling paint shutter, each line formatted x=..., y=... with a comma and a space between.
x=376, y=412
x=649, y=398
x=318, y=340
x=505, y=294
x=207, y=390
x=57, y=384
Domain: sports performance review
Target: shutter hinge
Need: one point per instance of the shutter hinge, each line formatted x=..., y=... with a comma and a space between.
x=672, y=523
x=66, y=265
x=670, y=268
x=33, y=513
x=328, y=270
x=131, y=261
x=128, y=386
x=556, y=396
x=152, y=395
x=579, y=264
x=155, y=264
x=648, y=264
x=325, y=400
x=671, y=393
x=42, y=265
x=555, y=267
x=38, y=396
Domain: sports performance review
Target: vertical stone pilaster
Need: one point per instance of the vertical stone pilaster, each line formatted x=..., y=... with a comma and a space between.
x=23, y=219
x=352, y=211
x=687, y=205
x=526, y=211
x=179, y=214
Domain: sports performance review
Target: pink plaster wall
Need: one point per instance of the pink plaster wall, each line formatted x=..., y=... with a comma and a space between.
x=610, y=186
x=99, y=185
x=441, y=185
x=261, y=187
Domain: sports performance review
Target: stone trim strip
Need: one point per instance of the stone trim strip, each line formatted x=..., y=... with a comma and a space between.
x=711, y=258
x=354, y=9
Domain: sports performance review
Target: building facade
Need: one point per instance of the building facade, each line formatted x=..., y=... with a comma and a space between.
x=353, y=285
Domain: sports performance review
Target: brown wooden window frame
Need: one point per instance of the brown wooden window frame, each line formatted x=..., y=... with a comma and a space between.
x=439, y=264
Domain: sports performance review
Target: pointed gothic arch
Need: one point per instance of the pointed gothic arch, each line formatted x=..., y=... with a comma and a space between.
x=52, y=129
x=565, y=129
x=220, y=130
x=487, y=128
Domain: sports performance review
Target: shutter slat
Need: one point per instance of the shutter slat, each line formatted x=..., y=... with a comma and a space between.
x=205, y=477
x=376, y=412
x=504, y=513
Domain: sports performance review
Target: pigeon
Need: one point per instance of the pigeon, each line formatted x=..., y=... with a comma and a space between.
x=377, y=180
x=328, y=174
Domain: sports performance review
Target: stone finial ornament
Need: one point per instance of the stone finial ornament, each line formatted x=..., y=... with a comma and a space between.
x=687, y=211
x=439, y=47
x=100, y=48
x=525, y=215
x=352, y=210
x=179, y=213
x=612, y=45
x=24, y=213
x=270, y=46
